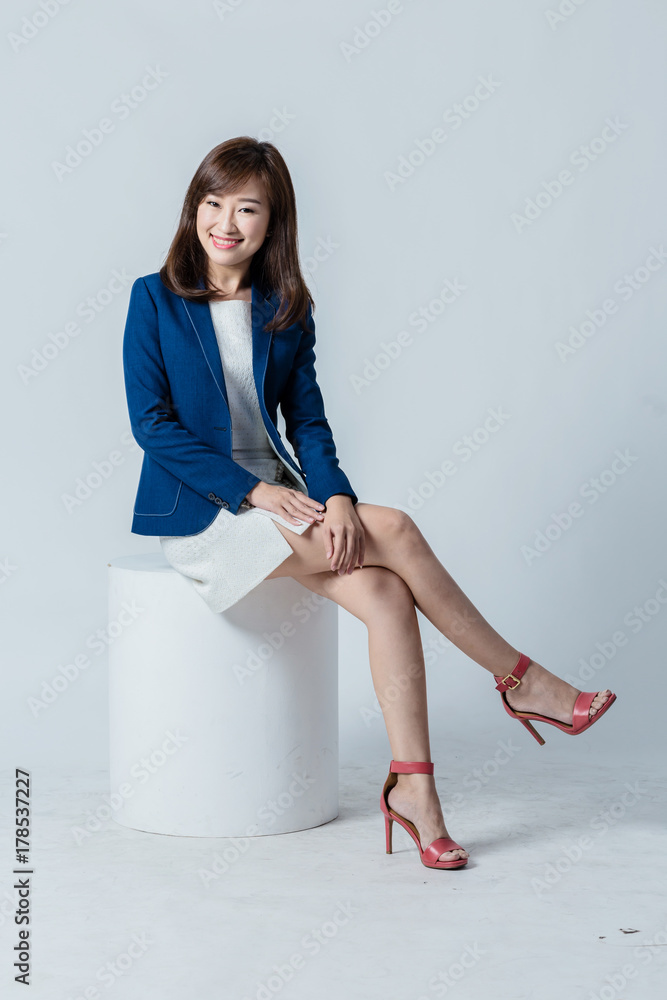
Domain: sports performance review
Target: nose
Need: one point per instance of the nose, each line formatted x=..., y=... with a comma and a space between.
x=227, y=224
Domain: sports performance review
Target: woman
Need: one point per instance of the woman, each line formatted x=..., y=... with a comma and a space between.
x=221, y=336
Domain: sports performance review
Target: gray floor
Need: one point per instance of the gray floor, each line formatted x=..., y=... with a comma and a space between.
x=563, y=895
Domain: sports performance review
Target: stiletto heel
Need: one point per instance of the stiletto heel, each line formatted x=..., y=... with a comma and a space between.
x=388, y=823
x=580, y=713
x=533, y=731
x=429, y=855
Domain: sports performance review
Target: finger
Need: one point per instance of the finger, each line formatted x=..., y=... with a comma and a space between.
x=344, y=559
x=309, y=511
x=301, y=500
x=354, y=553
x=338, y=551
x=351, y=551
x=303, y=507
x=328, y=543
x=300, y=516
x=295, y=519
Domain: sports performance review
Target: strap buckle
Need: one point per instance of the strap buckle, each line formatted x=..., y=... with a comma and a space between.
x=511, y=687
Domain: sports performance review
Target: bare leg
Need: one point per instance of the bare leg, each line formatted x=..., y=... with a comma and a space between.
x=394, y=542
x=383, y=601
x=441, y=600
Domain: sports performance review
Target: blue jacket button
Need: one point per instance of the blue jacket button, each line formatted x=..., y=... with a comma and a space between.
x=225, y=504
x=211, y=496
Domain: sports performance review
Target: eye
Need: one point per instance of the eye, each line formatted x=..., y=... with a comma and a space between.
x=212, y=202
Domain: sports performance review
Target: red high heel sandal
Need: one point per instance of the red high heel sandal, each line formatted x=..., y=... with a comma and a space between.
x=429, y=855
x=580, y=719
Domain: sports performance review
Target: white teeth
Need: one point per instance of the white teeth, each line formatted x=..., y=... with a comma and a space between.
x=225, y=243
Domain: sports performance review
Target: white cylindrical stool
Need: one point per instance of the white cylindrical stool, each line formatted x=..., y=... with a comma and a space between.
x=221, y=725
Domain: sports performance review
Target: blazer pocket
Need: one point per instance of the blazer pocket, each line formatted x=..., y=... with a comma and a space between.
x=158, y=491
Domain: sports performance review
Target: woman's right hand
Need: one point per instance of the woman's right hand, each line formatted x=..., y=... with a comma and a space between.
x=293, y=505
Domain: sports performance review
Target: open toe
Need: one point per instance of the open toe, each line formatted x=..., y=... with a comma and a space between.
x=430, y=855
x=582, y=717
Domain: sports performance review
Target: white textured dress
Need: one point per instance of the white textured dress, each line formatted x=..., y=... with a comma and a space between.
x=237, y=551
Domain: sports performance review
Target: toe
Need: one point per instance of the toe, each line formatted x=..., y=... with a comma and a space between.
x=600, y=699
x=458, y=855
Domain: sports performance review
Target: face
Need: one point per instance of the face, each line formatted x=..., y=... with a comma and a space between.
x=232, y=227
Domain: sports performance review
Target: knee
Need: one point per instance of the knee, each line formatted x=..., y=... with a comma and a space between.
x=398, y=523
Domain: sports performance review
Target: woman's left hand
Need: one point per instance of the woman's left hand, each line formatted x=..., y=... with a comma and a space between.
x=344, y=536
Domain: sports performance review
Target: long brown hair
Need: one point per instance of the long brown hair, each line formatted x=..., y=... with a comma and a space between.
x=275, y=266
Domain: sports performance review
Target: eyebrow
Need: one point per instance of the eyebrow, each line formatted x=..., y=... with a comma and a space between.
x=253, y=200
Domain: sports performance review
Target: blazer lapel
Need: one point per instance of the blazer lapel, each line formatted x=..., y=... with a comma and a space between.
x=198, y=314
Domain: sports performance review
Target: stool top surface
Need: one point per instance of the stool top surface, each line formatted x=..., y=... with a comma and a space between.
x=147, y=562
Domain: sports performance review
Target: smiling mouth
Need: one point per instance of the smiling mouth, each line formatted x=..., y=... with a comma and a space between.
x=222, y=244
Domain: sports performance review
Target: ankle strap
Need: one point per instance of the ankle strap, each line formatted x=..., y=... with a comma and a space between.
x=412, y=766
x=516, y=675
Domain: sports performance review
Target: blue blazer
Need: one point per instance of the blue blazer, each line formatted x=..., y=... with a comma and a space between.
x=180, y=417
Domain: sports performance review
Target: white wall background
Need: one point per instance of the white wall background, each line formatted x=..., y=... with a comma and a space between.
x=344, y=121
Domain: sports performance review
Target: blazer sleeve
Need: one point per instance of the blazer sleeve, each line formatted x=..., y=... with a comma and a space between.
x=306, y=425
x=155, y=428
